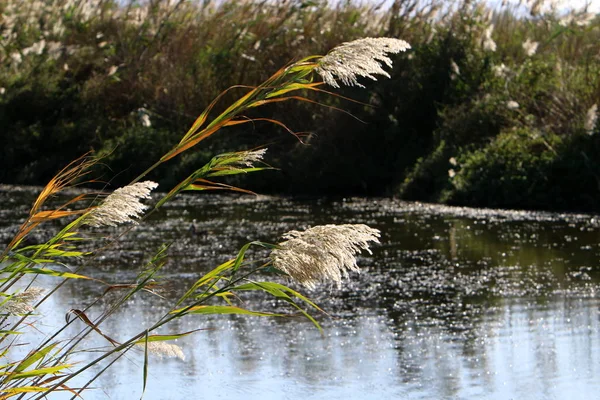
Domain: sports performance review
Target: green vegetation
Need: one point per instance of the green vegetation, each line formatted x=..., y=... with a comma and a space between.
x=490, y=108
x=83, y=228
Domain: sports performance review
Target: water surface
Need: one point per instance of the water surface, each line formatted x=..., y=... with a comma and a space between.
x=456, y=303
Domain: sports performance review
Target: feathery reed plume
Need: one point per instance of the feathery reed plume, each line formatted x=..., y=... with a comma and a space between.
x=579, y=18
x=359, y=58
x=535, y=7
x=121, y=206
x=163, y=349
x=454, y=69
x=247, y=158
x=501, y=71
x=487, y=42
x=512, y=105
x=591, y=118
x=239, y=161
x=20, y=303
x=323, y=253
x=530, y=47
x=145, y=120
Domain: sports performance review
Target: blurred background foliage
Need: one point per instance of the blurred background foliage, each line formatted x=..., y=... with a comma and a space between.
x=492, y=107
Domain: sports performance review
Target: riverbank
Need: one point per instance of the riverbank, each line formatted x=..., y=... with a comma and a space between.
x=490, y=108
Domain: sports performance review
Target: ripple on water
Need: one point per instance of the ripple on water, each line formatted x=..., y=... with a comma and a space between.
x=455, y=303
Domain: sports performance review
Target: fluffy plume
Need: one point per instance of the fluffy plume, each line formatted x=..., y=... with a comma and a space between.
x=247, y=159
x=454, y=69
x=530, y=47
x=144, y=116
x=512, y=105
x=590, y=119
x=163, y=349
x=20, y=303
x=323, y=253
x=501, y=71
x=488, y=43
x=36, y=48
x=359, y=58
x=579, y=18
x=121, y=206
x=145, y=120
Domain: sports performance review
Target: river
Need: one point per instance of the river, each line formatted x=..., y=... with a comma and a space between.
x=455, y=303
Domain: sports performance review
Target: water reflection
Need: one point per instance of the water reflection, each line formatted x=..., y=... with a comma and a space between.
x=456, y=304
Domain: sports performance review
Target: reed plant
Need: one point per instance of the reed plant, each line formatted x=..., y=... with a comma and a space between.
x=128, y=75
x=318, y=254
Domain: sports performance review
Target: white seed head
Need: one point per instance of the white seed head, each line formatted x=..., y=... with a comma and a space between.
x=16, y=58
x=323, y=253
x=590, y=119
x=512, y=105
x=455, y=70
x=145, y=120
x=20, y=303
x=488, y=43
x=530, y=47
x=121, y=206
x=164, y=349
x=501, y=71
x=248, y=158
x=359, y=58
x=36, y=48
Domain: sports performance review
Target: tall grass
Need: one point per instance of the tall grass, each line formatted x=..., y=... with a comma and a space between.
x=123, y=78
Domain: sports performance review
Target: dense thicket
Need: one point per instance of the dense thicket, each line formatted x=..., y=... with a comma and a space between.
x=490, y=108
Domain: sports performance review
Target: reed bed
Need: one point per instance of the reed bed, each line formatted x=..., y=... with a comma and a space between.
x=123, y=78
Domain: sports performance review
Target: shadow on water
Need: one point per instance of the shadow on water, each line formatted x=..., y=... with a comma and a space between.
x=456, y=303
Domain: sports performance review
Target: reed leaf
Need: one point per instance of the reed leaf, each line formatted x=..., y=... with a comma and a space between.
x=50, y=272
x=34, y=357
x=208, y=185
x=204, y=115
x=164, y=338
x=279, y=291
x=65, y=178
x=210, y=277
x=35, y=372
x=145, y=366
x=289, y=88
x=11, y=392
x=226, y=172
x=81, y=315
x=225, y=310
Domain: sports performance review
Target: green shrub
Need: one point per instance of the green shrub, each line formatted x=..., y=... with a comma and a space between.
x=525, y=169
x=84, y=88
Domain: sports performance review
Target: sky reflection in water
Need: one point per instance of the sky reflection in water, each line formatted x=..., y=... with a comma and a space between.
x=455, y=304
